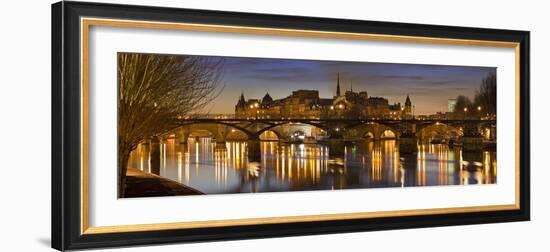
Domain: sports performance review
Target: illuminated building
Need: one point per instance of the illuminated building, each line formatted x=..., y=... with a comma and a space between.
x=306, y=104
x=451, y=104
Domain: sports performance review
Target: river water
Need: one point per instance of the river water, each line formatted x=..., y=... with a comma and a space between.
x=215, y=169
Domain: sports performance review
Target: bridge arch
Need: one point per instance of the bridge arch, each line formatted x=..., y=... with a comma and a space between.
x=278, y=125
x=221, y=131
x=218, y=123
x=236, y=135
x=488, y=130
x=194, y=135
x=368, y=135
x=388, y=134
x=270, y=135
x=285, y=130
x=438, y=130
x=374, y=131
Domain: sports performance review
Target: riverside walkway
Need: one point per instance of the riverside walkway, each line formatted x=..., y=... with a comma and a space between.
x=143, y=184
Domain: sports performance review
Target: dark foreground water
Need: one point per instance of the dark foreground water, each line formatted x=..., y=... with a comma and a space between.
x=218, y=169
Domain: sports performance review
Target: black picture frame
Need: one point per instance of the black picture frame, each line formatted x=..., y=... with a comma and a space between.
x=66, y=124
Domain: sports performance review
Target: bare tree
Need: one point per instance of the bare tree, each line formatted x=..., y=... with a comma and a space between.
x=155, y=91
x=485, y=101
x=486, y=96
x=463, y=107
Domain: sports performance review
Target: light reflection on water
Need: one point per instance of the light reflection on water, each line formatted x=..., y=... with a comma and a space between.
x=214, y=169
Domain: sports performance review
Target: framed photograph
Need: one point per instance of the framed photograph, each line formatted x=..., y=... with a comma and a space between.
x=179, y=125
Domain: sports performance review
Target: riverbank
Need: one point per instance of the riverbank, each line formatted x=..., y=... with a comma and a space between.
x=143, y=184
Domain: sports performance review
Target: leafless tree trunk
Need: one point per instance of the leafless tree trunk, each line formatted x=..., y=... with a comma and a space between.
x=155, y=92
x=486, y=97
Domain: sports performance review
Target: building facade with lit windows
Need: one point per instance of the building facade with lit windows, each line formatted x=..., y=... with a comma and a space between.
x=306, y=104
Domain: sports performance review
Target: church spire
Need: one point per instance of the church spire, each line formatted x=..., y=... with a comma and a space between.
x=408, y=101
x=338, y=85
x=242, y=102
x=242, y=96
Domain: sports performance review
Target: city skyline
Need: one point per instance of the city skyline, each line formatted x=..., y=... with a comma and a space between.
x=429, y=86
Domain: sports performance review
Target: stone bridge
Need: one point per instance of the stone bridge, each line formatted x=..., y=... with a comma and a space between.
x=284, y=129
x=335, y=131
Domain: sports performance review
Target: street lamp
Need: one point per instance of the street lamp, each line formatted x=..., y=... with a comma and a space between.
x=479, y=112
x=465, y=110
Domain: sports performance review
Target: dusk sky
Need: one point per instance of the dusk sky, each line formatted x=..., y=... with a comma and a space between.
x=429, y=86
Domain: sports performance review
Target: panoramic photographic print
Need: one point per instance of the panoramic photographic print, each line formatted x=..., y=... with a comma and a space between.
x=199, y=125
